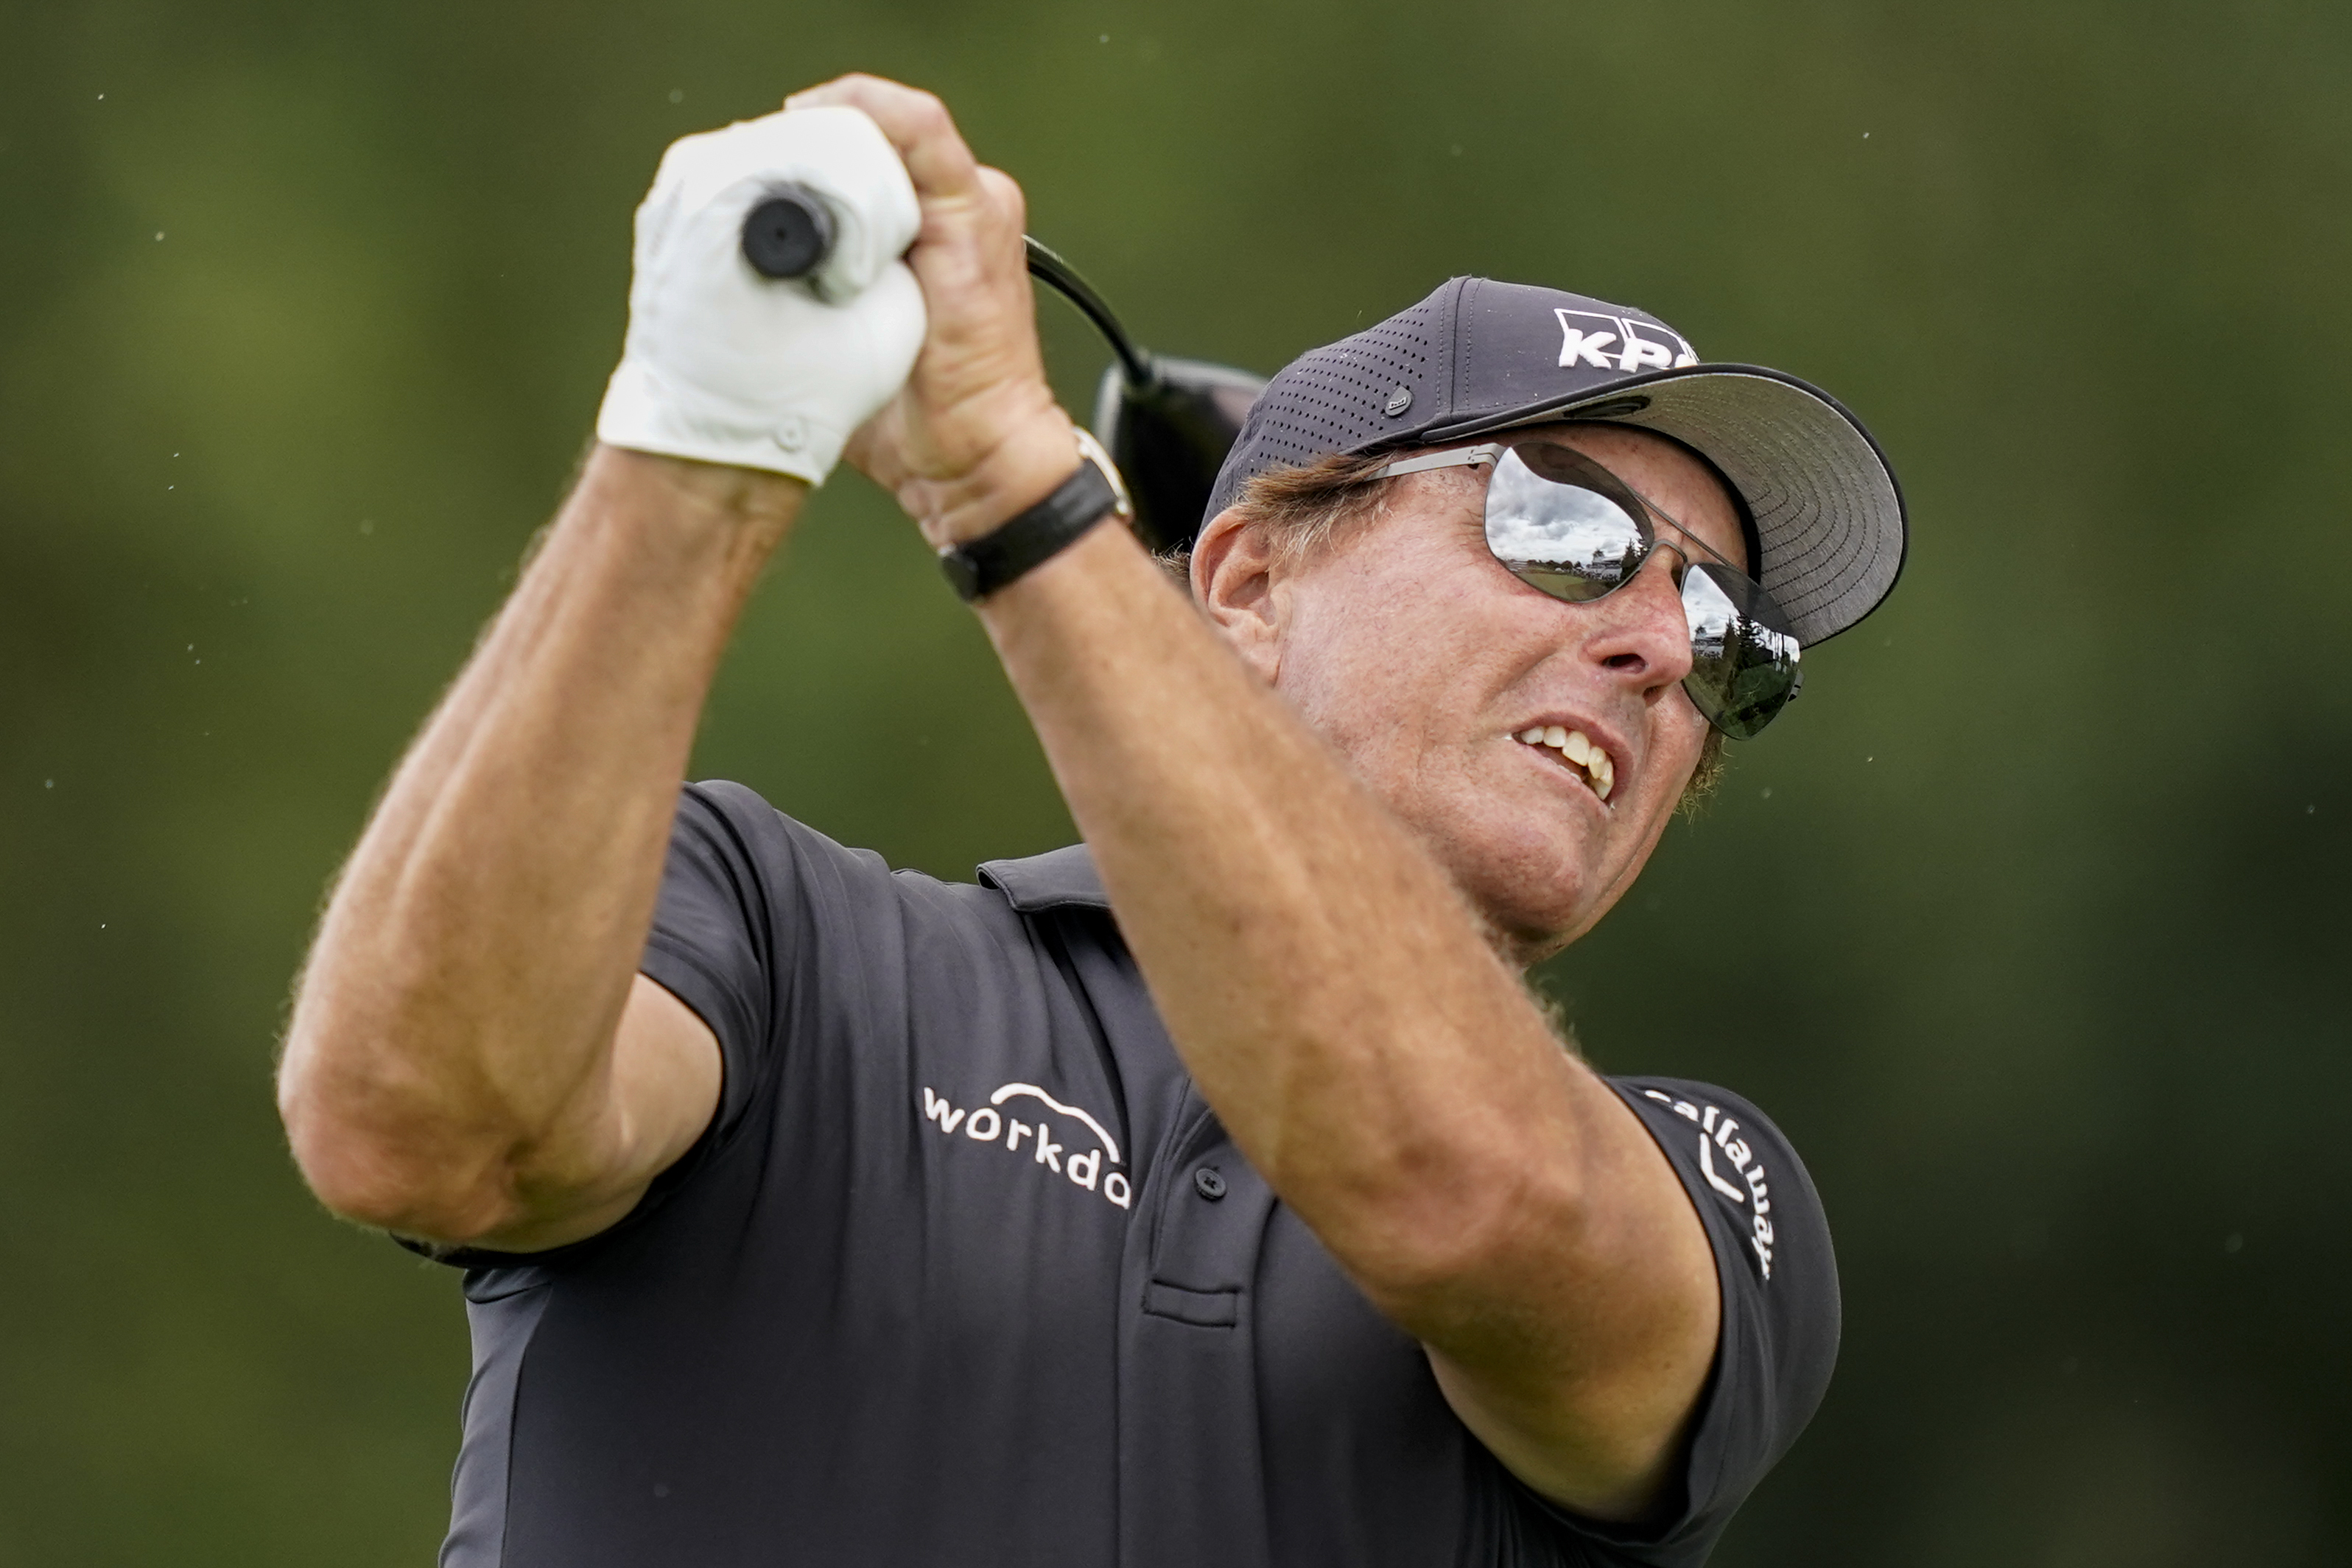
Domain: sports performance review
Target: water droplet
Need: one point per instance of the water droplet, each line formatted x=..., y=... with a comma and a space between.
x=2235, y=1243
x=677, y=95
x=1865, y=136
x=1767, y=791
x=159, y=233
x=48, y=783
x=2311, y=810
x=367, y=525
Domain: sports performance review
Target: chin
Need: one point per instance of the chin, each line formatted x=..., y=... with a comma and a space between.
x=1533, y=893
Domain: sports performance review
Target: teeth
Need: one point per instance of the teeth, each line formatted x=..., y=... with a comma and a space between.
x=1576, y=747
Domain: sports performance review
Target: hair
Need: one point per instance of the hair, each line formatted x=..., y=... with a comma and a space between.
x=1304, y=508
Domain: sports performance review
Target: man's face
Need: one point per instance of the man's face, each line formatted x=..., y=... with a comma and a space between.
x=1407, y=644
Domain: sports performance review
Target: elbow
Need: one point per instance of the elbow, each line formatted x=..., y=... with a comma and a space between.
x=1466, y=1232
x=375, y=1168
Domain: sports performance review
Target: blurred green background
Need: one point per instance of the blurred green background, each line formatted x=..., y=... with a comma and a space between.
x=2024, y=924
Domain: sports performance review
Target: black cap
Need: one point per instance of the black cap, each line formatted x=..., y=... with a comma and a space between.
x=1478, y=356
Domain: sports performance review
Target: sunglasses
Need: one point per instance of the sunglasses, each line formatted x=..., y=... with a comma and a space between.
x=1560, y=522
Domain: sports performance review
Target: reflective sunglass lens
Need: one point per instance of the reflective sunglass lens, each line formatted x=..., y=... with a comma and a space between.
x=1553, y=527
x=1743, y=660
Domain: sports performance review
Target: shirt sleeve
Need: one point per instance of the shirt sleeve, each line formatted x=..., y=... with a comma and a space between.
x=1779, y=1338
x=757, y=913
x=712, y=945
x=749, y=899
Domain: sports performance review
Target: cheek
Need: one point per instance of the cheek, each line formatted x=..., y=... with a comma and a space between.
x=1370, y=656
x=1678, y=737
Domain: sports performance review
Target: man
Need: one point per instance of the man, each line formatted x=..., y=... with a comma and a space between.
x=1214, y=1193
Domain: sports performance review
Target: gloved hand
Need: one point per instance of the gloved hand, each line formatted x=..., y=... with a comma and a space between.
x=726, y=366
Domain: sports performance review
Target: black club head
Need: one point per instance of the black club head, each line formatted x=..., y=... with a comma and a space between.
x=1169, y=435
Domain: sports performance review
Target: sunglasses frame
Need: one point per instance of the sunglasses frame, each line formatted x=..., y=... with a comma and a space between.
x=1488, y=454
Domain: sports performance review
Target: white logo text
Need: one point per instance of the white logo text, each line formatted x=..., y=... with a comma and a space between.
x=1641, y=345
x=1750, y=1190
x=995, y=1123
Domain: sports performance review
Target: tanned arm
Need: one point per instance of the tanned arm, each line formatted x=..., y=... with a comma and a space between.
x=456, y=1069
x=473, y=1058
x=1331, y=991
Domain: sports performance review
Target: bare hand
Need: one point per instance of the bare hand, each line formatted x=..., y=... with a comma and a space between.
x=975, y=436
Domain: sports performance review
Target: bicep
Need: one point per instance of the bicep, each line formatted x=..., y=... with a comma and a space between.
x=658, y=1095
x=1586, y=1366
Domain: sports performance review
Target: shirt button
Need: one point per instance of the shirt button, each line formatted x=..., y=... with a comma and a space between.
x=1208, y=1183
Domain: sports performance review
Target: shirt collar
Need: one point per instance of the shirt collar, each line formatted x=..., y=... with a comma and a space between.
x=1059, y=878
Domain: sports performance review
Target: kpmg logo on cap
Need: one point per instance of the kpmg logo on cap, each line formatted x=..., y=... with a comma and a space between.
x=1619, y=343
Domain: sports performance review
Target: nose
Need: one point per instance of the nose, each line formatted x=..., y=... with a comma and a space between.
x=1643, y=637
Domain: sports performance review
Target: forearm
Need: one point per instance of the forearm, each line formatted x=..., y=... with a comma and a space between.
x=1337, y=1002
x=1329, y=988
x=451, y=1033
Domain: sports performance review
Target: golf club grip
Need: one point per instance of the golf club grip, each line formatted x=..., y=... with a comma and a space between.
x=788, y=233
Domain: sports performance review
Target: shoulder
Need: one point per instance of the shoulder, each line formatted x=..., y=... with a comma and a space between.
x=731, y=822
x=1741, y=1169
x=1781, y=1321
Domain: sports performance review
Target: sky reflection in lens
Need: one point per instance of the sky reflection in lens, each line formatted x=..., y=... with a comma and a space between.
x=1583, y=542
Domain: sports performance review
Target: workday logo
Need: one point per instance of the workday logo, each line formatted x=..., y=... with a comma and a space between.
x=1747, y=1186
x=1619, y=343
x=997, y=1124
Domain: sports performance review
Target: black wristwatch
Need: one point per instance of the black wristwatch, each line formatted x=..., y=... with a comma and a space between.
x=978, y=567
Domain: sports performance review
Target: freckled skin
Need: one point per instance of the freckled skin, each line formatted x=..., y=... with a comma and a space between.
x=1409, y=646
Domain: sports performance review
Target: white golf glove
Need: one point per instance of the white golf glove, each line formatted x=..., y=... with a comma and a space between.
x=726, y=366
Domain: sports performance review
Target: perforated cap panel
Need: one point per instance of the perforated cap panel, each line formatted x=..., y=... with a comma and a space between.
x=1336, y=398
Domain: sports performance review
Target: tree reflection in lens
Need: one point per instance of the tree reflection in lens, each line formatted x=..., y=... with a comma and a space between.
x=1743, y=670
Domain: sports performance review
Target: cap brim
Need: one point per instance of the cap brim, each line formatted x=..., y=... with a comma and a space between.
x=1829, y=513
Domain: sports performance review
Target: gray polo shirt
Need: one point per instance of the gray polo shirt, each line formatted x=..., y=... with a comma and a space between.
x=966, y=1271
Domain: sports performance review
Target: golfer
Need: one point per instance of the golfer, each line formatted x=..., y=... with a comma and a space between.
x=1214, y=1193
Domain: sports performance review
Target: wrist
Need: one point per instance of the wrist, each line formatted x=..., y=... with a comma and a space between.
x=754, y=497
x=1021, y=469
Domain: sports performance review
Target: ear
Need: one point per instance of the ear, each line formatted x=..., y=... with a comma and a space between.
x=1237, y=582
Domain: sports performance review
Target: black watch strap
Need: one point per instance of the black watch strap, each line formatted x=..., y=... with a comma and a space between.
x=978, y=567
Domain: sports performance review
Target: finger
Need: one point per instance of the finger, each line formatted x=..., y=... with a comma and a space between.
x=916, y=124
x=1006, y=201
